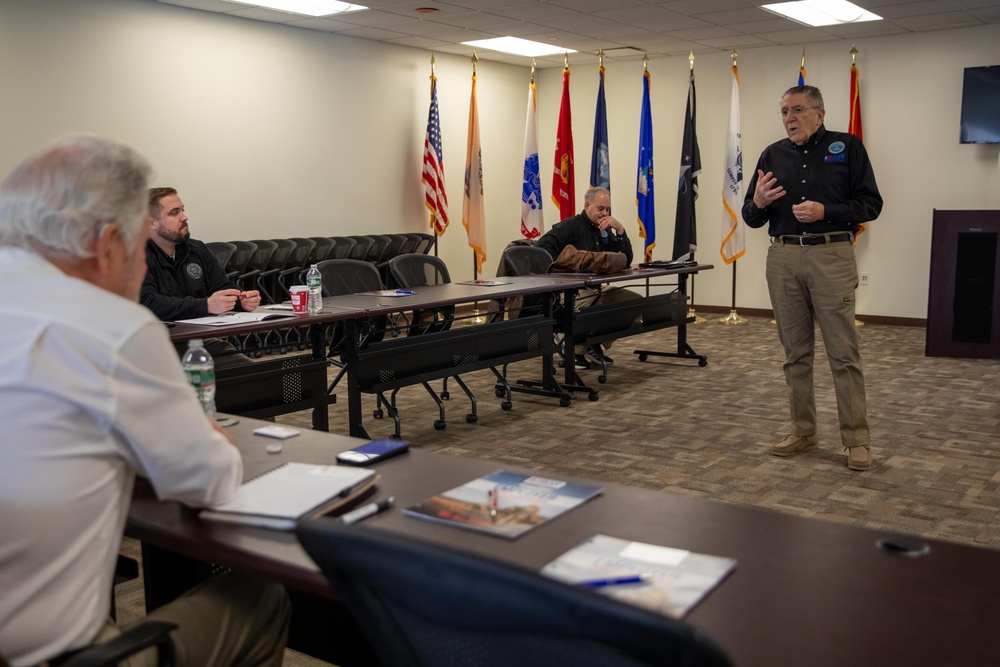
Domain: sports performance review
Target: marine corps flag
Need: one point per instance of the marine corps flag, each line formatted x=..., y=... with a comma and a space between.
x=532, y=224
x=600, y=163
x=563, y=193
x=854, y=125
x=644, y=174
x=733, y=238
x=473, y=208
x=685, y=229
x=433, y=178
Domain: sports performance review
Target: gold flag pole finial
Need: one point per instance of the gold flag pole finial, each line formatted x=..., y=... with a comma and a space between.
x=854, y=52
x=475, y=59
x=600, y=58
x=803, y=62
x=691, y=60
x=645, y=62
x=565, y=59
x=733, y=56
x=432, y=65
x=532, y=70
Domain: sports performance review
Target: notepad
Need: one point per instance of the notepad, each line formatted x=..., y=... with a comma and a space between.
x=225, y=319
x=282, y=496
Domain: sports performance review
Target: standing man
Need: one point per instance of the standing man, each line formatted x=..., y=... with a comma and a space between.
x=90, y=395
x=594, y=230
x=813, y=190
x=183, y=278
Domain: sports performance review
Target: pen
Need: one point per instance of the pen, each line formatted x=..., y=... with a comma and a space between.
x=614, y=581
x=371, y=509
x=404, y=292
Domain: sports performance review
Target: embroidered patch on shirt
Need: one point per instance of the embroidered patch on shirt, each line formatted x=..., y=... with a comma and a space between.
x=196, y=273
x=837, y=147
x=835, y=158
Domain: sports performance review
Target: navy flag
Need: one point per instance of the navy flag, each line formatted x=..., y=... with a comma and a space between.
x=685, y=229
x=600, y=165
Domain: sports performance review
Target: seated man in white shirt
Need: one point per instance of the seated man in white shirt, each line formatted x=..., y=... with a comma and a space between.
x=91, y=393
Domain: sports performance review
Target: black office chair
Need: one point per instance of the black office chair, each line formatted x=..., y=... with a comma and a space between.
x=413, y=271
x=223, y=252
x=238, y=262
x=425, y=605
x=425, y=243
x=298, y=264
x=322, y=249
x=362, y=246
x=376, y=251
x=342, y=247
x=130, y=642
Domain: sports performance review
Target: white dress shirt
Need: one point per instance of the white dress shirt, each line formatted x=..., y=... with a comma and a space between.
x=91, y=392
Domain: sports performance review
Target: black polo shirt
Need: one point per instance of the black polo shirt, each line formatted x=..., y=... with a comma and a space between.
x=831, y=168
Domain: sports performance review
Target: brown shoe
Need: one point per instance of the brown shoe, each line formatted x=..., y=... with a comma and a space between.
x=794, y=444
x=859, y=458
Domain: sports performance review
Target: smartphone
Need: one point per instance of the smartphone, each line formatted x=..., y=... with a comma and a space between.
x=373, y=452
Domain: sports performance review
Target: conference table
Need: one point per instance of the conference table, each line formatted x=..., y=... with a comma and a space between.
x=384, y=365
x=804, y=591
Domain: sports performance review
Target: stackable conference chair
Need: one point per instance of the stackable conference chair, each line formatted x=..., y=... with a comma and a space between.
x=425, y=242
x=376, y=251
x=342, y=247
x=238, y=262
x=223, y=252
x=298, y=262
x=322, y=250
x=424, y=605
x=362, y=248
x=413, y=271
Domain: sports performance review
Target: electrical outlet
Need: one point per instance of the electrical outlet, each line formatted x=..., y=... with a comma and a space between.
x=865, y=279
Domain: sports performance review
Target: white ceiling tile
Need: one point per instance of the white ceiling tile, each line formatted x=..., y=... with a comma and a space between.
x=937, y=21
x=652, y=17
x=205, y=5
x=916, y=9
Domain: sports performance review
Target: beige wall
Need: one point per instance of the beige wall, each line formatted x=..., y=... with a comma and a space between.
x=274, y=131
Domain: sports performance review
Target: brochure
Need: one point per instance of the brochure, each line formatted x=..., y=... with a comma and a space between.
x=662, y=579
x=484, y=283
x=504, y=503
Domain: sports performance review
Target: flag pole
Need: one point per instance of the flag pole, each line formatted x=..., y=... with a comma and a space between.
x=691, y=312
x=854, y=53
x=433, y=215
x=733, y=319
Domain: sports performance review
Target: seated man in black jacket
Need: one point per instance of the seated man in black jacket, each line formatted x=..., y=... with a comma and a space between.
x=183, y=278
x=595, y=230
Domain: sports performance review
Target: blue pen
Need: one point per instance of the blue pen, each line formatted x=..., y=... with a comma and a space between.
x=405, y=292
x=614, y=581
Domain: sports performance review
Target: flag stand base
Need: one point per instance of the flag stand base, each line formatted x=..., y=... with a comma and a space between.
x=698, y=319
x=859, y=323
x=477, y=318
x=734, y=319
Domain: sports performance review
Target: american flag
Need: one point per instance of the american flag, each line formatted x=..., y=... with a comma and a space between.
x=433, y=178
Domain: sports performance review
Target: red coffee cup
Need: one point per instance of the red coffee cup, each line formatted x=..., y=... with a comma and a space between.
x=300, y=298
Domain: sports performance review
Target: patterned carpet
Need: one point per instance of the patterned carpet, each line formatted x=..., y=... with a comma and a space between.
x=672, y=426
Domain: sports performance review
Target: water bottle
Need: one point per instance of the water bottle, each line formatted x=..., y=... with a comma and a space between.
x=200, y=370
x=314, y=281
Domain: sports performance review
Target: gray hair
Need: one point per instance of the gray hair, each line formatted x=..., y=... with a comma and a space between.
x=588, y=197
x=811, y=92
x=58, y=201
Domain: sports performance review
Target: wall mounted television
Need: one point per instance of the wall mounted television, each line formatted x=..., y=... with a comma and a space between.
x=981, y=106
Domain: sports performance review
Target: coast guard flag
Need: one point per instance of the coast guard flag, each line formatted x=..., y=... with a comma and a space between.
x=854, y=125
x=600, y=164
x=644, y=175
x=685, y=229
x=473, y=208
x=532, y=224
x=733, y=240
x=433, y=178
x=563, y=189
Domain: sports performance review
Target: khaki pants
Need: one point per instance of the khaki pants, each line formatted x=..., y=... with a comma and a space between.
x=819, y=281
x=231, y=619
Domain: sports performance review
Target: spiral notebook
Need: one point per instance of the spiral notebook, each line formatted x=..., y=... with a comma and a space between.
x=282, y=496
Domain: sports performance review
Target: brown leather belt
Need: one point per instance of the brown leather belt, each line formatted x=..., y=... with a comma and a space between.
x=811, y=239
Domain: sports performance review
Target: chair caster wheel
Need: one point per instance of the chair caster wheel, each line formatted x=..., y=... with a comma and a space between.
x=445, y=395
x=643, y=357
x=377, y=414
x=602, y=379
x=506, y=405
x=703, y=361
x=592, y=396
x=439, y=424
x=500, y=393
x=471, y=418
x=564, y=402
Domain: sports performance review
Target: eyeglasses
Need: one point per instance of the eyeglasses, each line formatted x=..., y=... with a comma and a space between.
x=795, y=111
